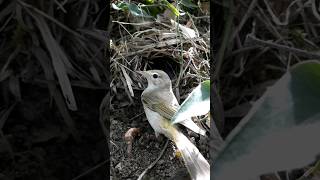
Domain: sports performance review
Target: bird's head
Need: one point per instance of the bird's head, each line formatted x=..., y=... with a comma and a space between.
x=157, y=79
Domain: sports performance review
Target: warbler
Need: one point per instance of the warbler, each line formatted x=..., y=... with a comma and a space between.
x=160, y=104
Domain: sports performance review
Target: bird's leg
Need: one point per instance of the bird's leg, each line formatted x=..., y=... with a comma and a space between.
x=156, y=137
x=157, y=134
x=159, y=137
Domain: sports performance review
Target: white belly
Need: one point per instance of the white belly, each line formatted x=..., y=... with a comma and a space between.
x=154, y=120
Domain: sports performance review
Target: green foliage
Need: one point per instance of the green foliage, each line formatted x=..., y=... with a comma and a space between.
x=196, y=104
x=280, y=132
x=188, y=4
x=150, y=8
x=132, y=8
x=173, y=9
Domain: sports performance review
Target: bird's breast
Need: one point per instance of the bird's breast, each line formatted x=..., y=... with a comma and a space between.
x=155, y=120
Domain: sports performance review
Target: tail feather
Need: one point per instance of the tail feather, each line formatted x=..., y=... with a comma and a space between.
x=197, y=165
x=193, y=126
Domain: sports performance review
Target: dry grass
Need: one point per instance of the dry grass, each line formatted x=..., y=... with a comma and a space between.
x=136, y=43
x=40, y=31
x=55, y=47
x=257, y=42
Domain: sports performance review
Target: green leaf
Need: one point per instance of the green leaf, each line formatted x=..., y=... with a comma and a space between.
x=137, y=11
x=148, y=2
x=153, y=11
x=280, y=132
x=196, y=104
x=188, y=3
x=120, y=6
x=173, y=9
x=132, y=8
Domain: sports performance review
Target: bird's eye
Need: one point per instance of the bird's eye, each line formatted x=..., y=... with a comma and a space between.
x=155, y=76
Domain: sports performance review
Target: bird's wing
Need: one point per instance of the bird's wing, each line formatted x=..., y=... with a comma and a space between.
x=158, y=106
x=167, y=111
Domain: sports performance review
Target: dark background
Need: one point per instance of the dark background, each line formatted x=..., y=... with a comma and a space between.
x=40, y=137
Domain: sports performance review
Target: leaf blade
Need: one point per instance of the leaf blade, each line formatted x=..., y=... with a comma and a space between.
x=279, y=131
x=196, y=104
x=57, y=58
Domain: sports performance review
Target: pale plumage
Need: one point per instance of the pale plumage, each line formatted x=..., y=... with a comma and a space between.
x=159, y=97
x=160, y=105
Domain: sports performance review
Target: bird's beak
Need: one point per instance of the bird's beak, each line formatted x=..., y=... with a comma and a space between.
x=144, y=76
x=143, y=73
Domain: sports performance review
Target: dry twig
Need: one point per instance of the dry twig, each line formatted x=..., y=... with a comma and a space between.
x=154, y=162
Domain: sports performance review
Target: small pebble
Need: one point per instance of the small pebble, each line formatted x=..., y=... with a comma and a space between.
x=119, y=166
x=161, y=161
x=193, y=140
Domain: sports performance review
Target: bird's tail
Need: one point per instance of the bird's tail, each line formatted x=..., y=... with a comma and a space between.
x=197, y=165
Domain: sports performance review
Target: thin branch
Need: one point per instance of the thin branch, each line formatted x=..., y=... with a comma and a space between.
x=301, y=52
x=154, y=162
x=90, y=170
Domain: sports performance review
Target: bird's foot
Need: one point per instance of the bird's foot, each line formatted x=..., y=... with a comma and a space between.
x=156, y=137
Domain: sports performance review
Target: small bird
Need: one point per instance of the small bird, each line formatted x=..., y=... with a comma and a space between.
x=160, y=105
